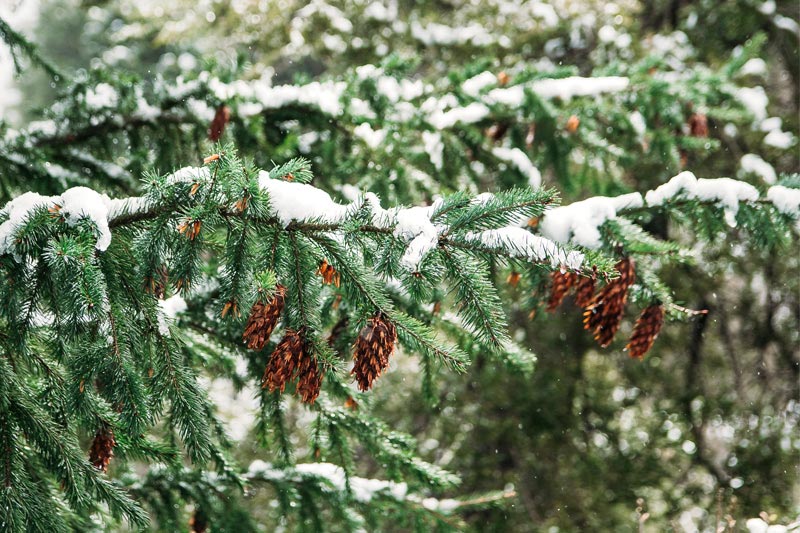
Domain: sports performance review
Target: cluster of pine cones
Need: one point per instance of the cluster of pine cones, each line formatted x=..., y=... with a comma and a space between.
x=603, y=312
x=292, y=359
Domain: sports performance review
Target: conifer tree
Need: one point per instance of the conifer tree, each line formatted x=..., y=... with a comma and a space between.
x=303, y=239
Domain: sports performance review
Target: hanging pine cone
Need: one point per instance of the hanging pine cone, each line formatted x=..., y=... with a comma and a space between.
x=572, y=124
x=309, y=379
x=102, y=449
x=495, y=132
x=263, y=319
x=198, y=522
x=603, y=315
x=157, y=284
x=284, y=361
x=514, y=278
x=329, y=274
x=646, y=330
x=221, y=119
x=338, y=330
x=698, y=125
x=374, y=345
x=584, y=291
x=562, y=283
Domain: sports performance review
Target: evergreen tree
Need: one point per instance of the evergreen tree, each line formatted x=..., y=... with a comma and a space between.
x=298, y=232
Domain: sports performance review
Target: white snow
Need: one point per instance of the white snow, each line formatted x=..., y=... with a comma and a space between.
x=757, y=525
x=395, y=90
x=361, y=108
x=563, y=88
x=302, y=202
x=372, y=138
x=125, y=206
x=580, y=222
x=101, y=96
x=785, y=200
x=476, y=84
x=74, y=204
x=607, y=34
x=379, y=11
x=768, y=7
x=511, y=96
x=520, y=159
x=779, y=139
x=82, y=202
x=446, y=506
x=363, y=489
x=18, y=210
x=755, y=100
x=520, y=243
x=567, y=88
x=786, y=23
x=42, y=127
x=188, y=175
x=466, y=115
x=771, y=123
x=324, y=95
x=439, y=34
x=169, y=310
x=638, y=123
x=753, y=164
x=434, y=146
x=414, y=225
x=726, y=192
x=754, y=67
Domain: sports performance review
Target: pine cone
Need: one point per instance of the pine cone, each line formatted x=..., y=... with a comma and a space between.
x=374, y=345
x=263, y=319
x=562, y=283
x=584, y=291
x=310, y=379
x=198, y=522
x=495, y=132
x=157, y=286
x=283, y=362
x=603, y=315
x=572, y=124
x=329, y=274
x=646, y=330
x=698, y=125
x=338, y=329
x=102, y=449
x=221, y=119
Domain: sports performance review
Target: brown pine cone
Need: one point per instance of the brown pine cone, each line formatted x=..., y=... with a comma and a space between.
x=373, y=347
x=604, y=314
x=646, y=330
x=263, y=319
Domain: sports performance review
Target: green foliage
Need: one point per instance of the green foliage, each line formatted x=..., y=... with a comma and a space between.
x=94, y=337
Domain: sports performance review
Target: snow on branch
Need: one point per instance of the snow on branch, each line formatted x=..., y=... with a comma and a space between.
x=563, y=88
x=293, y=202
x=363, y=490
x=580, y=222
x=522, y=244
x=725, y=192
